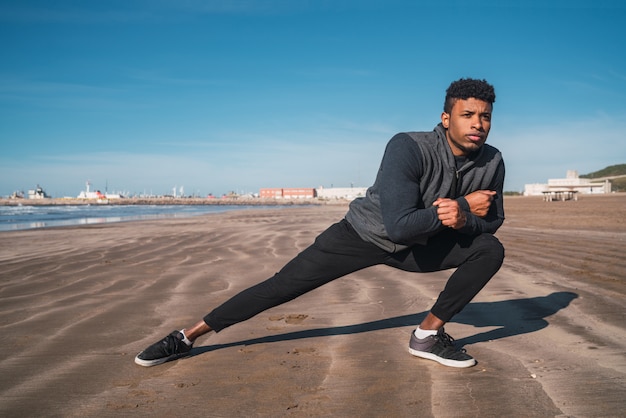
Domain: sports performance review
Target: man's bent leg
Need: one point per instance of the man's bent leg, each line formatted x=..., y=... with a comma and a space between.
x=477, y=259
x=484, y=258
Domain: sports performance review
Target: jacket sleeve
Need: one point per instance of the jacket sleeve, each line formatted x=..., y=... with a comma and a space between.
x=495, y=217
x=404, y=217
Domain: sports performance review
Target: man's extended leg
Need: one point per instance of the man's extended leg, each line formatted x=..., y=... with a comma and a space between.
x=336, y=252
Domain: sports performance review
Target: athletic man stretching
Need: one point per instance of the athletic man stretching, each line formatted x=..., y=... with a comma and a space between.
x=435, y=204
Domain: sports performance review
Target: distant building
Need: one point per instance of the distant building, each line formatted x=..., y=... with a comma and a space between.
x=298, y=193
x=287, y=193
x=88, y=194
x=38, y=193
x=348, y=193
x=570, y=184
x=271, y=193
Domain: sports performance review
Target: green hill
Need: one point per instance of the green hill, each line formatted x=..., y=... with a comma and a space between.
x=612, y=170
x=617, y=185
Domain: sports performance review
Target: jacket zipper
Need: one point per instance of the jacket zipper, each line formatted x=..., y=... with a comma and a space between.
x=455, y=184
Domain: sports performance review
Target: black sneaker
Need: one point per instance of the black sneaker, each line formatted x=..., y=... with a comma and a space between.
x=440, y=347
x=169, y=348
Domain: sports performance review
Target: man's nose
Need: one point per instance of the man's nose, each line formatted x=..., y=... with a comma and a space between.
x=477, y=122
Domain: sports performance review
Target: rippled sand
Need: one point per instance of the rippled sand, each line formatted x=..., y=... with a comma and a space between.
x=77, y=303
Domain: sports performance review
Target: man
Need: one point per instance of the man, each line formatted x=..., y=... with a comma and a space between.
x=435, y=204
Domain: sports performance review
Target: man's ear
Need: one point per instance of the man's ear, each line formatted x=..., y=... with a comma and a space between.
x=445, y=120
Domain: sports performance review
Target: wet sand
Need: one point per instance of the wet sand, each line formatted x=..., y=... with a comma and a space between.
x=77, y=304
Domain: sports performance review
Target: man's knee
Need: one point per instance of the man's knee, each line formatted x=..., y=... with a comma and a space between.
x=488, y=246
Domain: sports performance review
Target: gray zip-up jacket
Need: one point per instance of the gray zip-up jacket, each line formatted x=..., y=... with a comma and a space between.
x=416, y=169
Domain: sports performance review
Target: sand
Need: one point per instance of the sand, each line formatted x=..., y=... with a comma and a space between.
x=77, y=304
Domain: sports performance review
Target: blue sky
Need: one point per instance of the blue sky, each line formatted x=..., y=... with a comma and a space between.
x=214, y=96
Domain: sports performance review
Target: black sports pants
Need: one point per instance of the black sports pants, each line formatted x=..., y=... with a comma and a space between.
x=339, y=251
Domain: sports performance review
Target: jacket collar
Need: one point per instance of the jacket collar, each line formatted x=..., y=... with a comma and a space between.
x=471, y=159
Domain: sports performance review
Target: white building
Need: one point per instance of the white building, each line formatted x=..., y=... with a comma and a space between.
x=348, y=193
x=38, y=193
x=570, y=184
x=88, y=194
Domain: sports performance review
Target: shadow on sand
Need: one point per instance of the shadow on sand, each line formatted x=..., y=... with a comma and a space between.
x=513, y=317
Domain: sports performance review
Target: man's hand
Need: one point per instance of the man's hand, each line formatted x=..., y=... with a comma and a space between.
x=450, y=213
x=480, y=202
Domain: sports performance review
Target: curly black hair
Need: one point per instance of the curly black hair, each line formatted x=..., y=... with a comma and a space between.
x=466, y=88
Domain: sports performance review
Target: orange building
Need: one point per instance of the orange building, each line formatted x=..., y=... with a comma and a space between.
x=271, y=193
x=298, y=193
x=288, y=193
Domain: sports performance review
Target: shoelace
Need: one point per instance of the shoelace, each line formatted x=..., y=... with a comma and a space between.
x=171, y=344
x=448, y=341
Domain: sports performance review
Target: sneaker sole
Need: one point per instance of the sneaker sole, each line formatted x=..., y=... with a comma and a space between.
x=156, y=362
x=446, y=362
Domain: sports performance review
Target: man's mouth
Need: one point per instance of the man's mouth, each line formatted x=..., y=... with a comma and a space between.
x=475, y=137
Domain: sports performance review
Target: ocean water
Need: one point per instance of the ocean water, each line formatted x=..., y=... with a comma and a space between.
x=13, y=218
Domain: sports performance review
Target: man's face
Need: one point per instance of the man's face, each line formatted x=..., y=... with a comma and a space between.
x=467, y=125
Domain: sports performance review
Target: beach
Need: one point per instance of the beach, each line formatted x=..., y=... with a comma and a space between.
x=77, y=303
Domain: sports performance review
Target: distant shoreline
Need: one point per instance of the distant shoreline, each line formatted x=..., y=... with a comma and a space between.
x=171, y=201
x=231, y=201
